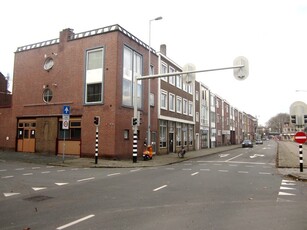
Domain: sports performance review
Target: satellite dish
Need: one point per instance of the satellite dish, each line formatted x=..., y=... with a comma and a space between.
x=190, y=77
x=241, y=73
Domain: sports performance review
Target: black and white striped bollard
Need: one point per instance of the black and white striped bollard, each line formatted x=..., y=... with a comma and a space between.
x=96, y=147
x=301, y=157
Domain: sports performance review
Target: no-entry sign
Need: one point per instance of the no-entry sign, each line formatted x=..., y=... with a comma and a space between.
x=300, y=137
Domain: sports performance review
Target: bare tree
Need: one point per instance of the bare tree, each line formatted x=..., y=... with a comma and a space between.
x=276, y=123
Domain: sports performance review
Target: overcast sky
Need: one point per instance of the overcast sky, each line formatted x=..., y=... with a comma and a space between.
x=271, y=34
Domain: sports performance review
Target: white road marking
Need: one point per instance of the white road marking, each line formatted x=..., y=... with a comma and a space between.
x=234, y=157
x=170, y=168
x=205, y=170
x=186, y=169
x=223, y=155
x=61, y=170
x=49, y=167
x=287, y=188
x=10, y=194
x=233, y=165
x=38, y=188
x=3, y=170
x=287, y=183
x=242, y=172
x=45, y=172
x=223, y=170
x=86, y=179
x=19, y=169
x=6, y=177
x=193, y=174
x=157, y=189
x=36, y=167
x=75, y=222
x=264, y=173
x=285, y=194
x=113, y=174
x=27, y=174
x=135, y=170
x=60, y=184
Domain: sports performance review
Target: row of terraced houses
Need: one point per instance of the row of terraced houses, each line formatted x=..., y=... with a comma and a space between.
x=93, y=72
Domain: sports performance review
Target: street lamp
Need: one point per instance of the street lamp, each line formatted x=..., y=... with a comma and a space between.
x=149, y=73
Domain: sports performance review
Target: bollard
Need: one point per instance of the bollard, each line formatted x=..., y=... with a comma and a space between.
x=96, y=149
x=301, y=157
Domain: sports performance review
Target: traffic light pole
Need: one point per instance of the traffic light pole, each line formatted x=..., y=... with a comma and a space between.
x=135, y=126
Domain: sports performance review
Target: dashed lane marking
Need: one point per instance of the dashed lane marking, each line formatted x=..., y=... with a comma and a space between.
x=159, y=188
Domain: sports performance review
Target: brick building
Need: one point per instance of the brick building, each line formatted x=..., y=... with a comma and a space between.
x=92, y=72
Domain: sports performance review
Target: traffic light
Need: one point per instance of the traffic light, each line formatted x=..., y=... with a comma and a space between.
x=139, y=118
x=305, y=119
x=134, y=121
x=293, y=119
x=96, y=120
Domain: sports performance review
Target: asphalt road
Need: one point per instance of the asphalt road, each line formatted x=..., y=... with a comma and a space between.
x=238, y=189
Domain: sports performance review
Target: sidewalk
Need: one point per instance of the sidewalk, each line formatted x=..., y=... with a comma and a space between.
x=287, y=160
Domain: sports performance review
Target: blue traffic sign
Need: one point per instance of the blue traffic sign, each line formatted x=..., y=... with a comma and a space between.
x=66, y=109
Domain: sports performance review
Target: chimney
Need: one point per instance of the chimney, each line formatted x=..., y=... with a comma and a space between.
x=163, y=49
x=66, y=34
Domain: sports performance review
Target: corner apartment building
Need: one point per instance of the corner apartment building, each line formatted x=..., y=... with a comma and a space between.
x=93, y=72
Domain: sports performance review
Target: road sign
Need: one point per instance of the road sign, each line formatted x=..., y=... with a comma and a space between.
x=65, y=123
x=66, y=109
x=300, y=137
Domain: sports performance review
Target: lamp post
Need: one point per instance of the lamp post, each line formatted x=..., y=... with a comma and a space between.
x=149, y=73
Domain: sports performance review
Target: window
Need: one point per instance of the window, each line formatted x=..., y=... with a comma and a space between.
x=197, y=116
x=74, y=131
x=163, y=70
x=163, y=100
x=185, y=134
x=179, y=105
x=47, y=95
x=190, y=108
x=185, y=106
x=171, y=102
x=197, y=96
x=93, y=92
x=132, y=67
x=179, y=81
x=94, y=76
x=171, y=79
x=191, y=134
x=163, y=134
x=178, y=134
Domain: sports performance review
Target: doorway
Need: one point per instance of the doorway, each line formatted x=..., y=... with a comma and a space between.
x=171, y=142
x=26, y=136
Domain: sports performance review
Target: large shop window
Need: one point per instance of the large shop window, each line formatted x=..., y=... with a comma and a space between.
x=74, y=131
x=94, y=76
x=132, y=67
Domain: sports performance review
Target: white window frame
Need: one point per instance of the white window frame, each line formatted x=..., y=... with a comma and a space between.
x=163, y=96
x=171, y=102
x=179, y=104
x=185, y=107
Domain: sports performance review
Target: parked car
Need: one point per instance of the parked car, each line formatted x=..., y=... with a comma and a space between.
x=247, y=143
x=259, y=142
